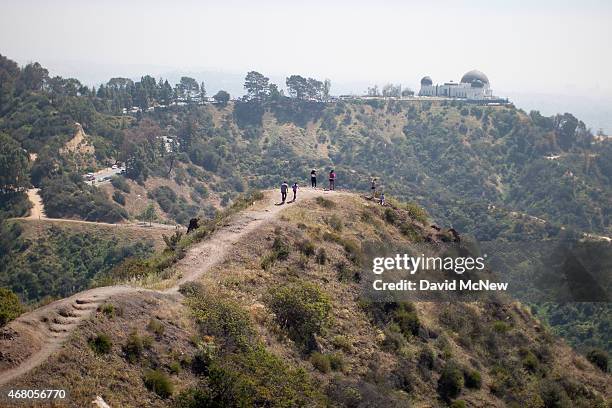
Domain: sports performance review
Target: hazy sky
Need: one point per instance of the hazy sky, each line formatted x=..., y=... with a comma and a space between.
x=523, y=46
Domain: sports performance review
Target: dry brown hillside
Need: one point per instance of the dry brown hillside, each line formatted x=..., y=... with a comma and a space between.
x=281, y=321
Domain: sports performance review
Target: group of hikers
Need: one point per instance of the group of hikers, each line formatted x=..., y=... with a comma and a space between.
x=332, y=186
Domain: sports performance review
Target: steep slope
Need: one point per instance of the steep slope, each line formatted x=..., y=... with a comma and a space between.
x=229, y=341
x=31, y=338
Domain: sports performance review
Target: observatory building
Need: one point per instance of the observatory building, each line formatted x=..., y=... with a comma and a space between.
x=474, y=85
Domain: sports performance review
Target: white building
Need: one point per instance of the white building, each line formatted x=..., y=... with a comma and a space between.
x=474, y=85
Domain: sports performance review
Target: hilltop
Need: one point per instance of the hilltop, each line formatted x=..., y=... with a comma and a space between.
x=279, y=319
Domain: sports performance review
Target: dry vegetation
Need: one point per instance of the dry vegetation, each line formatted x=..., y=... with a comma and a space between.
x=282, y=322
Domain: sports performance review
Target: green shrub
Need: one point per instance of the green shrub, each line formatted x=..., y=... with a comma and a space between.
x=394, y=340
x=501, y=327
x=530, y=361
x=158, y=382
x=133, y=347
x=343, y=343
x=407, y=320
x=458, y=404
x=553, y=395
x=306, y=247
x=281, y=248
x=267, y=261
x=175, y=367
x=119, y=198
x=301, y=308
x=353, y=251
x=336, y=361
x=417, y=213
x=426, y=360
x=108, y=309
x=344, y=273
x=334, y=222
x=472, y=379
x=450, y=382
x=192, y=289
x=155, y=326
x=201, y=190
x=320, y=362
x=321, y=257
x=390, y=215
x=202, y=360
x=280, y=252
x=257, y=378
x=410, y=232
x=599, y=358
x=222, y=318
x=120, y=183
x=101, y=344
x=10, y=306
x=173, y=241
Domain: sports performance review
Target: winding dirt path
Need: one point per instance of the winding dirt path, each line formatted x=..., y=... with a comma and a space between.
x=29, y=340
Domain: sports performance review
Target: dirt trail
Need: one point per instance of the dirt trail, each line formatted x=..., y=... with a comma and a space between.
x=37, y=212
x=30, y=339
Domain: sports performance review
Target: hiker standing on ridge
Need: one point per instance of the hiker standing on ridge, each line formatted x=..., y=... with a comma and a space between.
x=332, y=180
x=284, y=188
x=294, y=187
x=382, y=198
x=313, y=178
x=373, y=186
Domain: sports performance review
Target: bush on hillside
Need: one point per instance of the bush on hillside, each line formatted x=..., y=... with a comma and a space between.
x=599, y=358
x=158, y=382
x=118, y=198
x=301, y=308
x=320, y=362
x=450, y=382
x=280, y=252
x=223, y=319
x=10, y=306
x=472, y=379
x=407, y=320
x=120, y=183
x=101, y=344
x=133, y=347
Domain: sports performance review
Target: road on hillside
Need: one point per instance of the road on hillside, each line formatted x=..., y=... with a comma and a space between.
x=37, y=212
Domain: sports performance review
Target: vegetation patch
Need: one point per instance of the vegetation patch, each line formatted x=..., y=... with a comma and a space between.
x=302, y=309
x=101, y=344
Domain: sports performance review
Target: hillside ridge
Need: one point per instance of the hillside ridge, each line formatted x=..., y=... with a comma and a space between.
x=44, y=330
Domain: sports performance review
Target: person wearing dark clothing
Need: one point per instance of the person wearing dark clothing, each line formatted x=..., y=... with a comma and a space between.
x=193, y=225
x=332, y=180
x=284, y=188
x=313, y=178
x=294, y=187
x=373, y=186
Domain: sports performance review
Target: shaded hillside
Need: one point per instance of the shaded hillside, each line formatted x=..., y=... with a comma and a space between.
x=282, y=322
x=43, y=260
